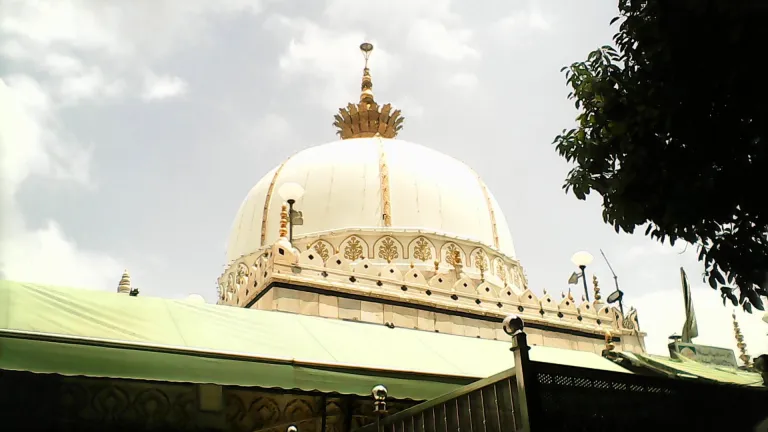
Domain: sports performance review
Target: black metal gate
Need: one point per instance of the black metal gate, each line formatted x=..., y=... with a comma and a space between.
x=535, y=396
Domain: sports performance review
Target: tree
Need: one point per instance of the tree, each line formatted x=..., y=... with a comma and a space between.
x=672, y=134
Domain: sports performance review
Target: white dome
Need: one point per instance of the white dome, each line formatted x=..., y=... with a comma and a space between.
x=195, y=298
x=428, y=191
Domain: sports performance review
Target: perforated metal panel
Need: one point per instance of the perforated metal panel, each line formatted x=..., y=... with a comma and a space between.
x=576, y=399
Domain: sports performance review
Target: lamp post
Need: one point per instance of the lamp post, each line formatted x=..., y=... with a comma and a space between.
x=582, y=259
x=291, y=192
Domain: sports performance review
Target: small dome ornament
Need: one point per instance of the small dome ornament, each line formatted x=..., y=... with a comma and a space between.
x=124, y=287
x=367, y=119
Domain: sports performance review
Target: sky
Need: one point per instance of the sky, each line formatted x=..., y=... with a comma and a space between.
x=130, y=132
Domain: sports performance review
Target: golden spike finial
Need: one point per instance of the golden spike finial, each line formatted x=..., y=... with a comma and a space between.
x=367, y=118
x=596, y=288
x=124, y=287
x=366, y=88
x=740, y=341
x=570, y=295
x=284, y=222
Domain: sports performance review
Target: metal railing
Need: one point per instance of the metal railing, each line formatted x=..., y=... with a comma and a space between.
x=551, y=397
x=486, y=405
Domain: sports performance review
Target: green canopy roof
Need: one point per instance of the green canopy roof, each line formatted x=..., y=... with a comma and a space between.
x=47, y=329
x=683, y=367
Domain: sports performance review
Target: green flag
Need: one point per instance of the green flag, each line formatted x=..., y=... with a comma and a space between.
x=690, y=328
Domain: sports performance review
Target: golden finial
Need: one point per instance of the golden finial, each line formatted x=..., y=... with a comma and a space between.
x=740, y=341
x=437, y=265
x=367, y=119
x=570, y=295
x=608, y=342
x=412, y=264
x=284, y=222
x=124, y=287
x=366, y=88
x=545, y=291
x=596, y=288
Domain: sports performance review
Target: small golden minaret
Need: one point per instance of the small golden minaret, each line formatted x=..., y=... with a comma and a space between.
x=596, y=288
x=283, y=233
x=367, y=119
x=124, y=287
x=740, y=341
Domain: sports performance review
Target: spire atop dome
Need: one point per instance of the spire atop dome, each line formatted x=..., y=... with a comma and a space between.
x=366, y=88
x=367, y=119
x=124, y=287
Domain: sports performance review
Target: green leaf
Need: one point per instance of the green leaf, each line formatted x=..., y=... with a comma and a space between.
x=755, y=299
x=747, y=307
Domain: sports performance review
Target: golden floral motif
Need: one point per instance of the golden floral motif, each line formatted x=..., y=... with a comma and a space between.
x=321, y=250
x=353, y=251
x=452, y=255
x=501, y=272
x=422, y=251
x=481, y=263
x=241, y=277
x=388, y=249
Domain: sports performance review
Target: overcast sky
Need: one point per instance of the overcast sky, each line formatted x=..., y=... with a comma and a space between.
x=130, y=132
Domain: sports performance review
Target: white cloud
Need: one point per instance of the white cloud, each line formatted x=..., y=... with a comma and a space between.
x=60, y=64
x=329, y=59
x=324, y=50
x=84, y=47
x=29, y=146
x=435, y=38
x=46, y=256
x=272, y=128
x=410, y=107
x=465, y=81
x=89, y=84
x=430, y=26
x=512, y=27
x=163, y=87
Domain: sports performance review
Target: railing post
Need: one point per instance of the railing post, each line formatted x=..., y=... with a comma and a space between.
x=524, y=374
x=379, y=394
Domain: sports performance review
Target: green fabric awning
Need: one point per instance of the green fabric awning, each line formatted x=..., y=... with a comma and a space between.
x=683, y=367
x=47, y=329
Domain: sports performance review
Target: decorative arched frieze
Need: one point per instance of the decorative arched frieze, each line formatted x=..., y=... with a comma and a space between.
x=443, y=281
x=241, y=275
x=587, y=310
x=487, y=290
x=388, y=248
x=414, y=276
x=366, y=267
x=338, y=262
x=465, y=285
x=312, y=258
x=517, y=277
x=529, y=300
x=500, y=270
x=322, y=248
x=421, y=249
x=354, y=248
x=480, y=262
x=548, y=304
x=606, y=317
x=390, y=272
x=450, y=252
x=567, y=305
